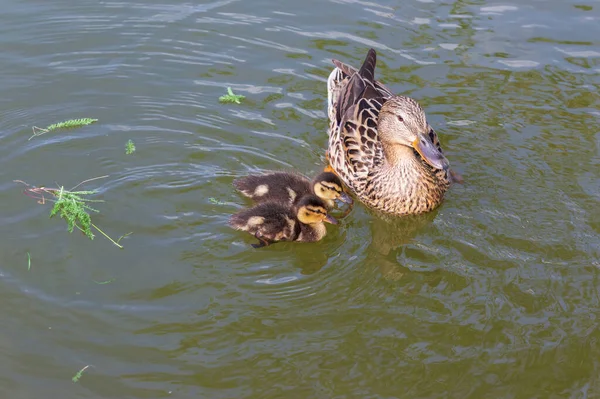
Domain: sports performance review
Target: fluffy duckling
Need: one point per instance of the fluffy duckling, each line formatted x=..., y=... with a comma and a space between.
x=289, y=188
x=275, y=221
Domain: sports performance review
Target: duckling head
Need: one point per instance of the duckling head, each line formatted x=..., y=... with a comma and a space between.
x=312, y=210
x=328, y=186
x=402, y=121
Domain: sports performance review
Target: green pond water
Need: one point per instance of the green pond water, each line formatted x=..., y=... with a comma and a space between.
x=493, y=295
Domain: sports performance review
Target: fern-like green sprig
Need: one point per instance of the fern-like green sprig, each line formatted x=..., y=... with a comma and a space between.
x=79, y=374
x=71, y=206
x=37, y=131
x=231, y=98
x=71, y=123
x=129, y=147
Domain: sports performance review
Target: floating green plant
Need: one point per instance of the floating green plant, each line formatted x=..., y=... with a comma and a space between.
x=79, y=374
x=231, y=98
x=38, y=131
x=72, y=206
x=129, y=147
x=216, y=201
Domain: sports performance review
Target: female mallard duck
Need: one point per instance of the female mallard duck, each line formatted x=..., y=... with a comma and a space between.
x=289, y=188
x=275, y=221
x=381, y=145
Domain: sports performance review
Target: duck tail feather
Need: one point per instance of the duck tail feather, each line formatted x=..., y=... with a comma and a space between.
x=367, y=70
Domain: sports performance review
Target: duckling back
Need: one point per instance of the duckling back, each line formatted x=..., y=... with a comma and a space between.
x=276, y=221
x=284, y=187
x=268, y=221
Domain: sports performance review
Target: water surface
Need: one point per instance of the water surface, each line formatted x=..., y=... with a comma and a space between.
x=495, y=294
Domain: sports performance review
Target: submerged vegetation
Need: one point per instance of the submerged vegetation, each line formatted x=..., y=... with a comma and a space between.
x=71, y=123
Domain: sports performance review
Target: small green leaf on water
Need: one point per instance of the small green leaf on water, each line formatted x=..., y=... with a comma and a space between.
x=231, y=98
x=129, y=148
x=78, y=375
x=28, y=261
x=216, y=201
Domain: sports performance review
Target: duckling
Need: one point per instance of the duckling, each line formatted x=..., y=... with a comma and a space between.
x=289, y=187
x=274, y=221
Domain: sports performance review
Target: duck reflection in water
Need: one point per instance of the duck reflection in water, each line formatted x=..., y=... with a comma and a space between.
x=390, y=235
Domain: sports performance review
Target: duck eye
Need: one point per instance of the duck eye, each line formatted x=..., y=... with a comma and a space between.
x=400, y=119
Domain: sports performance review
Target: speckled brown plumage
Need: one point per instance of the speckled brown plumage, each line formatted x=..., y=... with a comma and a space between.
x=273, y=221
x=290, y=187
x=381, y=145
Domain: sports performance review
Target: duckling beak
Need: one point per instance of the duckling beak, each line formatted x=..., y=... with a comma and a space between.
x=346, y=198
x=330, y=219
x=430, y=153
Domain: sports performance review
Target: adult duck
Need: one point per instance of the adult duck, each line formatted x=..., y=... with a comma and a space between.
x=381, y=145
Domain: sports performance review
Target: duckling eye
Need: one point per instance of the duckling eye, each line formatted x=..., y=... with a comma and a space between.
x=400, y=119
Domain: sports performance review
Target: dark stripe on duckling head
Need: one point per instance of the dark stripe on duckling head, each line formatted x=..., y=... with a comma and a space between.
x=311, y=200
x=319, y=210
x=332, y=187
x=328, y=177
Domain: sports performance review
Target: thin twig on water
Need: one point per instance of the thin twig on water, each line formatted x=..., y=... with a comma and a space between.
x=89, y=180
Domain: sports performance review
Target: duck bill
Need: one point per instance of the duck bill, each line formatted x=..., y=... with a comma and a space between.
x=346, y=198
x=330, y=219
x=430, y=153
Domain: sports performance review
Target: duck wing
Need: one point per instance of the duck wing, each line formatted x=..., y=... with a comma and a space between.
x=353, y=132
x=359, y=141
x=342, y=72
